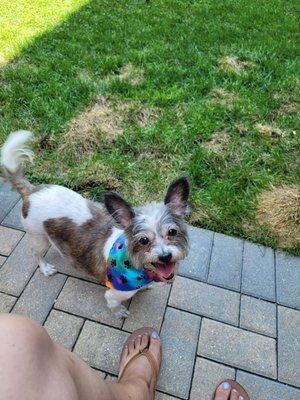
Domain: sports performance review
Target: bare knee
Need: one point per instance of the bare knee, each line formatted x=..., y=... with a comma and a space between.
x=21, y=333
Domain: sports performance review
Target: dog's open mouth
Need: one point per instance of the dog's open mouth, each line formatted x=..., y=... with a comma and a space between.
x=165, y=271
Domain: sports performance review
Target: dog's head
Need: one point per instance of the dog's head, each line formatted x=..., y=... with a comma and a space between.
x=156, y=233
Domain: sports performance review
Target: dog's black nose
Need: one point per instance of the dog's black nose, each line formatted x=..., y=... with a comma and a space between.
x=165, y=258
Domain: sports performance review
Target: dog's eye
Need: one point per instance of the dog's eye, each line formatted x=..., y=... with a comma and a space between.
x=172, y=232
x=144, y=241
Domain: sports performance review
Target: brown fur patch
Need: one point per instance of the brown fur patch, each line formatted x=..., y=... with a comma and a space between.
x=83, y=244
x=234, y=64
x=218, y=142
x=279, y=211
x=224, y=97
x=269, y=130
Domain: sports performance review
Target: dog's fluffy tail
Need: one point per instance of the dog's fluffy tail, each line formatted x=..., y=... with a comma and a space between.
x=13, y=152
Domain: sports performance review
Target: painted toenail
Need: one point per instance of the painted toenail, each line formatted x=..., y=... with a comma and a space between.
x=241, y=398
x=154, y=335
x=235, y=391
x=226, y=386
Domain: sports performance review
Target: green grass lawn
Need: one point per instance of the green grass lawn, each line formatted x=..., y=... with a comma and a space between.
x=203, y=88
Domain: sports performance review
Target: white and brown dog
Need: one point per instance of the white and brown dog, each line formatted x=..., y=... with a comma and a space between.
x=125, y=247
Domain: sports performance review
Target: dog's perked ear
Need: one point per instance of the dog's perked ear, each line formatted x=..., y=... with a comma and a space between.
x=120, y=210
x=177, y=197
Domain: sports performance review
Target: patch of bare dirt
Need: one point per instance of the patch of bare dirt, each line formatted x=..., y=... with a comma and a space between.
x=279, y=211
x=218, y=142
x=234, y=64
x=269, y=130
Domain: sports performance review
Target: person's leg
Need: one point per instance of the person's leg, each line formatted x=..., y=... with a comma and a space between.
x=33, y=367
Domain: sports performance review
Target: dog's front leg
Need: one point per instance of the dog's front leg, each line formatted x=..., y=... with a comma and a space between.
x=114, y=299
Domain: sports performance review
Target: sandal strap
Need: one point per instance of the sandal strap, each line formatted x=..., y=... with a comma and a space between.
x=147, y=353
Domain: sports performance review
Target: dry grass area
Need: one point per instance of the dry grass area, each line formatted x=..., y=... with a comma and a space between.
x=132, y=74
x=269, y=130
x=103, y=121
x=279, y=211
x=224, y=97
x=218, y=142
x=234, y=64
x=128, y=73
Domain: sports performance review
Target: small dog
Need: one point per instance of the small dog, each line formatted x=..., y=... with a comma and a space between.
x=127, y=248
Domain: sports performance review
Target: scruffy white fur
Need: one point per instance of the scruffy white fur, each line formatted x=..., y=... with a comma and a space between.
x=55, y=201
x=15, y=150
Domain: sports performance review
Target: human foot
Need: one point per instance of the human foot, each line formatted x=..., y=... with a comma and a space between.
x=230, y=390
x=141, y=358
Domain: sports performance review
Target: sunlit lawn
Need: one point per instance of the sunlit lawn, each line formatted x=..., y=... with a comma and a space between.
x=208, y=113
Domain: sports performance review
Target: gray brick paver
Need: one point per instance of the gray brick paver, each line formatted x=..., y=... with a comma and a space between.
x=288, y=279
x=6, y=302
x=258, y=316
x=205, y=300
x=101, y=346
x=196, y=264
x=260, y=388
x=18, y=268
x=179, y=336
x=226, y=262
x=237, y=347
x=39, y=296
x=147, y=308
x=163, y=396
x=9, y=238
x=2, y=260
x=63, y=328
x=8, y=198
x=258, y=271
x=207, y=376
x=13, y=218
x=86, y=299
x=289, y=346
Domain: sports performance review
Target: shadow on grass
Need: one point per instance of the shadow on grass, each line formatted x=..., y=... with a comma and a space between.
x=56, y=76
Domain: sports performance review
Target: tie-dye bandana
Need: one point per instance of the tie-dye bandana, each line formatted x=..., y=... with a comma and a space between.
x=120, y=273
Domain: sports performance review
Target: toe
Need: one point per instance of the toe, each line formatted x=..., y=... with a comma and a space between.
x=155, y=346
x=223, y=391
x=131, y=347
x=234, y=395
x=144, y=341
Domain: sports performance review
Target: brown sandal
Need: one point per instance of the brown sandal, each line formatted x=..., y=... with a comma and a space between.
x=234, y=385
x=143, y=352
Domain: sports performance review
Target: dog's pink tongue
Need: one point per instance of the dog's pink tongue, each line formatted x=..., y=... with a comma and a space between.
x=165, y=270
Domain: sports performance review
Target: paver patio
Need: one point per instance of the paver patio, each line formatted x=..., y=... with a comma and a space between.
x=233, y=312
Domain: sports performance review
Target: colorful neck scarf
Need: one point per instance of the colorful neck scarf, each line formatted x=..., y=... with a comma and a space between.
x=120, y=273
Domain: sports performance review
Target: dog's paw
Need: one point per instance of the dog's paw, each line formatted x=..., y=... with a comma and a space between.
x=122, y=312
x=47, y=269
